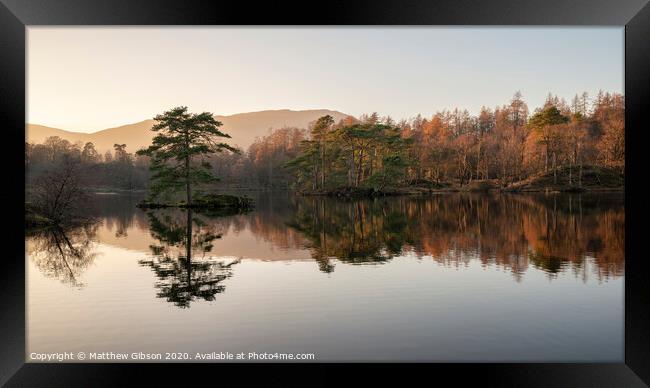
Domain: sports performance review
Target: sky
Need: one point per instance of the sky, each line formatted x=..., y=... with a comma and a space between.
x=90, y=78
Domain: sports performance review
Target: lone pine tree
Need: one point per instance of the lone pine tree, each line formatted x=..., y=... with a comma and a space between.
x=180, y=149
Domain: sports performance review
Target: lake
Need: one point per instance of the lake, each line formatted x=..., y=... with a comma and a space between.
x=449, y=277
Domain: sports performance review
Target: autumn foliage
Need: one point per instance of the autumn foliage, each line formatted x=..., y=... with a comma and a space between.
x=506, y=144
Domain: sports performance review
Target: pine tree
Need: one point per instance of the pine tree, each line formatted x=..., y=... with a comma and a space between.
x=179, y=150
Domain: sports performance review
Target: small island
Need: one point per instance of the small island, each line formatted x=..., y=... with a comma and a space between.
x=215, y=202
x=178, y=163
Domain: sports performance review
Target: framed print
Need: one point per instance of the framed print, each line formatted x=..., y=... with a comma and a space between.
x=449, y=189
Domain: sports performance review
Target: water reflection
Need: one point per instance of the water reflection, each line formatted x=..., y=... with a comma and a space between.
x=63, y=253
x=429, y=277
x=351, y=232
x=181, y=258
x=551, y=233
x=581, y=234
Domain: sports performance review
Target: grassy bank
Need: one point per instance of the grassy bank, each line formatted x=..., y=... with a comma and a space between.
x=591, y=178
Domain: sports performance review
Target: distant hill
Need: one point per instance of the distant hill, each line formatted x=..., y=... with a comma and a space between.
x=242, y=127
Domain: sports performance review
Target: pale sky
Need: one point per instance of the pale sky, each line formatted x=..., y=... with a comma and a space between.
x=91, y=78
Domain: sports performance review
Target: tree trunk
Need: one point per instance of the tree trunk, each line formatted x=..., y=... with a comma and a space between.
x=360, y=169
x=373, y=155
x=314, y=174
x=478, y=161
x=188, y=248
x=322, y=168
x=188, y=189
x=546, y=159
x=580, y=176
x=554, y=168
x=187, y=180
x=351, y=169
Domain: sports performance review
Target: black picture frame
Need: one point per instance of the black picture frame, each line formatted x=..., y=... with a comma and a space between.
x=16, y=15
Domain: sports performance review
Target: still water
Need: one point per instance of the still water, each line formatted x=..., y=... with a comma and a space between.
x=452, y=277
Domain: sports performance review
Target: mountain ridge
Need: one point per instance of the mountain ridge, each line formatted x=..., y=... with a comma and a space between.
x=242, y=127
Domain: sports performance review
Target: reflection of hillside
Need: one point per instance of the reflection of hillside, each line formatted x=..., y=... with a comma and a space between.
x=261, y=234
x=268, y=222
x=245, y=243
x=551, y=233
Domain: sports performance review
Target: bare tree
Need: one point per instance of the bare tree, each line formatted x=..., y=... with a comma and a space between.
x=58, y=195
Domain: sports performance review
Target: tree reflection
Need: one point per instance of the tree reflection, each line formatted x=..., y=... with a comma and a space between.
x=583, y=235
x=63, y=253
x=361, y=232
x=552, y=233
x=181, y=260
